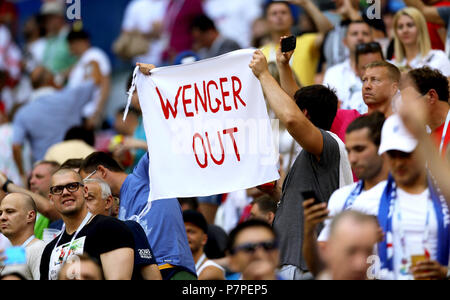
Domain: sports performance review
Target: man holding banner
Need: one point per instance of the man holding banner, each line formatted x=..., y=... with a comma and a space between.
x=321, y=167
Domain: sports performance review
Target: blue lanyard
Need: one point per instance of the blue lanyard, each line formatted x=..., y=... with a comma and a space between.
x=353, y=195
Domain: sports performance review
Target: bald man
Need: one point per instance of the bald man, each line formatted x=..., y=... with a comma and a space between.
x=17, y=219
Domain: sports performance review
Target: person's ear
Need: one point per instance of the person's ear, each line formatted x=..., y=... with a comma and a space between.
x=109, y=202
x=102, y=171
x=432, y=96
x=205, y=239
x=31, y=217
x=270, y=217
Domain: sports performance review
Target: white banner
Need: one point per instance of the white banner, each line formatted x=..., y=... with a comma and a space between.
x=207, y=128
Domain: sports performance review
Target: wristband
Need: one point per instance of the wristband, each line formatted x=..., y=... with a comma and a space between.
x=5, y=186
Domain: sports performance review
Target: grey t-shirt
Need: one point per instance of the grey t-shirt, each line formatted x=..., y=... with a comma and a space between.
x=307, y=173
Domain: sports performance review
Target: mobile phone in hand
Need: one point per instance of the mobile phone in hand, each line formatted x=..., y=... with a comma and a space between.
x=311, y=195
x=288, y=44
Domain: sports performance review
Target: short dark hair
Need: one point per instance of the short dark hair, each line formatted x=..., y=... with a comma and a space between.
x=374, y=122
x=365, y=48
x=73, y=163
x=192, y=202
x=321, y=103
x=96, y=159
x=78, y=35
x=196, y=218
x=203, y=23
x=81, y=133
x=244, y=225
x=393, y=71
x=426, y=79
x=54, y=165
x=348, y=24
x=269, y=4
x=266, y=203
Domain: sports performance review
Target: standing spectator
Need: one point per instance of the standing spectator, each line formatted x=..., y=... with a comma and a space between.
x=253, y=250
x=17, y=219
x=45, y=120
x=196, y=230
x=306, y=56
x=80, y=46
x=263, y=208
x=40, y=188
x=234, y=19
x=322, y=166
x=176, y=26
x=344, y=76
x=142, y=25
x=412, y=43
x=161, y=220
x=352, y=238
x=381, y=81
x=104, y=238
x=410, y=211
x=362, y=143
x=100, y=202
x=57, y=58
x=432, y=86
x=209, y=40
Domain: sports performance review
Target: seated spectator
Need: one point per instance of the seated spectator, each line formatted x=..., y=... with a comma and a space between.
x=196, y=230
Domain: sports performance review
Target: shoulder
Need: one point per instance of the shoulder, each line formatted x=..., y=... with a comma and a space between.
x=368, y=202
x=338, y=198
x=307, y=37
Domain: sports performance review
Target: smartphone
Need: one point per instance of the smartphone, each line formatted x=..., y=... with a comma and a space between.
x=288, y=44
x=15, y=256
x=311, y=195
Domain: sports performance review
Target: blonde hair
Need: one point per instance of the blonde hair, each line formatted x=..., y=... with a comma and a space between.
x=423, y=39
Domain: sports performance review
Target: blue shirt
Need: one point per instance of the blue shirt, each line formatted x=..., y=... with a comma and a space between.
x=163, y=222
x=45, y=121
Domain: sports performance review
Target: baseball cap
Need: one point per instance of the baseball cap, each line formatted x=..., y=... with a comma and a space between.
x=395, y=136
x=196, y=218
x=53, y=8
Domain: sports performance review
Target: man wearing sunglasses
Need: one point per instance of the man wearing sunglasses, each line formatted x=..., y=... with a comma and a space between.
x=103, y=238
x=253, y=250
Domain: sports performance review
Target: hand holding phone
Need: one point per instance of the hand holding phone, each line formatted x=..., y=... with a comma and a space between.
x=311, y=195
x=288, y=44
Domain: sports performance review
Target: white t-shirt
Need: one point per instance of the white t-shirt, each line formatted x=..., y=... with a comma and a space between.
x=337, y=201
x=140, y=15
x=348, y=86
x=235, y=19
x=435, y=59
x=4, y=242
x=81, y=71
x=413, y=210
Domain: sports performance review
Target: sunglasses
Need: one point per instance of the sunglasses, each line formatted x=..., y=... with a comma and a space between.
x=71, y=187
x=250, y=248
x=368, y=47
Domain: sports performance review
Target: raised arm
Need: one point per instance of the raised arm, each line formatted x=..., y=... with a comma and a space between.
x=287, y=77
x=430, y=12
x=302, y=130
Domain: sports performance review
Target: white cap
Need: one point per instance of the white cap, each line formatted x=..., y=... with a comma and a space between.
x=395, y=136
x=53, y=8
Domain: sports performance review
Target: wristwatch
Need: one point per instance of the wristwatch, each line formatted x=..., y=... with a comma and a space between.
x=5, y=186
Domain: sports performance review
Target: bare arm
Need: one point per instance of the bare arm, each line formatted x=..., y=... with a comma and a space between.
x=313, y=216
x=302, y=130
x=118, y=264
x=151, y=272
x=287, y=77
x=430, y=12
x=17, y=153
x=211, y=273
x=43, y=204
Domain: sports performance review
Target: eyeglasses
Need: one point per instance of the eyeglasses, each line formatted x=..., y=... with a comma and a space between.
x=368, y=47
x=71, y=187
x=91, y=174
x=250, y=248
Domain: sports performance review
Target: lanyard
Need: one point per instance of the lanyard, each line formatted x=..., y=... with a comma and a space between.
x=353, y=195
x=86, y=219
x=28, y=241
x=200, y=262
x=444, y=132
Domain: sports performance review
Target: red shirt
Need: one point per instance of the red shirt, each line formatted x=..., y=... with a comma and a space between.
x=437, y=136
x=343, y=118
x=436, y=41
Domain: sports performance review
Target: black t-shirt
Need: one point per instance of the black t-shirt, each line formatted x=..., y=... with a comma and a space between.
x=143, y=254
x=101, y=235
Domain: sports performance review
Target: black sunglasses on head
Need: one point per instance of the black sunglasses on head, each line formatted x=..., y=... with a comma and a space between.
x=250, y=248
x=368, y=47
